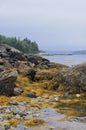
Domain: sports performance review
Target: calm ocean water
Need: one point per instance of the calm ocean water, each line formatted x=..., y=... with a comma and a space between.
x=67, y=59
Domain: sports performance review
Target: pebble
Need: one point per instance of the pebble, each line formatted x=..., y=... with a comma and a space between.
x=28, y=117
x=78, y=95
x=20, y=111
x=51, y=128
x=57, y=99
x=17, y=116
x=2, y=128
x=8, y=111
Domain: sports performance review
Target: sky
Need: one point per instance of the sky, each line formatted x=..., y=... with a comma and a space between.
x=58, y=25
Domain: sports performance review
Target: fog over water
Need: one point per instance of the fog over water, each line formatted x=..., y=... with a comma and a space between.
x=53, y=24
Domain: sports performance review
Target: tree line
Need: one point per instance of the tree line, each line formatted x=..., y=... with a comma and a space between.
x=25, y=45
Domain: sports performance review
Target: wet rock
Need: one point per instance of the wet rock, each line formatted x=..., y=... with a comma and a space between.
x=4, y=65
x=2, y=128
x=31, y=95
x=16, y=56
x=72, y=80
x=7, y=111
x=36, y=59
x=43, y=76
x=18, y=117
x=26, y=69
x=28, y=117
x=1, y=62
x=23, y=103
x=2, y=117
x=3, y=55
x=15, y=110
x=31, y=73
x=7, y=127
x=23, y=67
x=13, y=103
x=18, y=91
x=52, y=128
x=7, y=82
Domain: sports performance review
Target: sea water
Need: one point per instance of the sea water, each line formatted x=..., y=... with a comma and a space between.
x=66, y=59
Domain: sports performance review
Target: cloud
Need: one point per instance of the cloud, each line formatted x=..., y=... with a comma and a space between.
x=59, y=23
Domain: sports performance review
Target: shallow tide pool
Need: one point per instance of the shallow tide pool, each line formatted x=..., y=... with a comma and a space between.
x=57, y=121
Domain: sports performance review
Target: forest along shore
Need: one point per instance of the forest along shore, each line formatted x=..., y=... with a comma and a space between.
x=35, y=93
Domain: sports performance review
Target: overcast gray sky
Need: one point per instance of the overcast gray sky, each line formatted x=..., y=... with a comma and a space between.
x=53, y=24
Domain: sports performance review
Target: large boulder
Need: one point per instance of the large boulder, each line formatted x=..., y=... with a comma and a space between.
x=7, y=82
x=72, y=80
x=4, y=48
x=10, y=53
x=16, y=56
x=36, y=59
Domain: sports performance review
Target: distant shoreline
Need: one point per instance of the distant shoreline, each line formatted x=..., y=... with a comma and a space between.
x=67, y=59
x=47, y=54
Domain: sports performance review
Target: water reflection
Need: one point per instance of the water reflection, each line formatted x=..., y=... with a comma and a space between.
x=72, y=106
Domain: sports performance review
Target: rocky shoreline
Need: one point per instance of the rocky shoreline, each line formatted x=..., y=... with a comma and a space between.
x=15, y=112
x=29, y=83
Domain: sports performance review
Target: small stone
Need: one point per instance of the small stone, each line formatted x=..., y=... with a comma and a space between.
x=37, y=115
x=31, y=95
x=15, y=110
x=57, y=99
x=17, y=116
x=1, y=108
x=23, y=114
x=14, y=103
x=78, y=95
x=2, y=128
x=51, y=128
x=18, y=91
x=12, y=128
x=28, y=117
x=4, y=123
x=7, y=127
x=29, y=112
x=8, y=111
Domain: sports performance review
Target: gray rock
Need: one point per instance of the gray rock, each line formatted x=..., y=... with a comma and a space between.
x=7, y=82
x=18, y=91
x=6, y=48
x=28, y=117
x=31, y=95
x=13, y=103
x=2, y=128
x=72, y=80
x=15, y=110
x=7, y=127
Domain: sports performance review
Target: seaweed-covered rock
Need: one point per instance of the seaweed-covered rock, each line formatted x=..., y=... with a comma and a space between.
x=23, y=68
x=36, y=59
x=7, y=82
x=72, y=80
